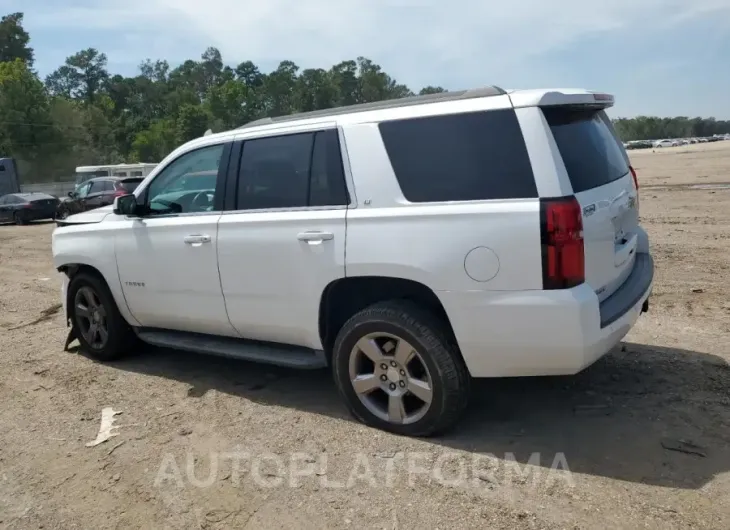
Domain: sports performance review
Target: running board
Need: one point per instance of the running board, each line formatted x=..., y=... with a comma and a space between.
x=247, y=350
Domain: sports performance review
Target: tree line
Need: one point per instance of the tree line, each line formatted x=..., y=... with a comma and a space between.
x=81, y=114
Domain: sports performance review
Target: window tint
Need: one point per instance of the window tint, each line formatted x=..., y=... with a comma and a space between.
x=460, y=157
x=108, y=185
x=291, y=171
x=274, y=172
x=590, y=151
x=130, y=185
x=187, y=184
x=327, y=182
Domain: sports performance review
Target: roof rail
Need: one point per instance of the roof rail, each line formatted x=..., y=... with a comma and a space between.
x=380, y=105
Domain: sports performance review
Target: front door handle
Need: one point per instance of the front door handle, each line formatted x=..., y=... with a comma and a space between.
x=196, y=240
x=315, y=237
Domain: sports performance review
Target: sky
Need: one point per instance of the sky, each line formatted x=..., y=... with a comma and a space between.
x=658, y=57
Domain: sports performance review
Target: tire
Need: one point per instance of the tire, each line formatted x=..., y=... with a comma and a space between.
x=120, y=338
x=446, y=374
x=19, y=219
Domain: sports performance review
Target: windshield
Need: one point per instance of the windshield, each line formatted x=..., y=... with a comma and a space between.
x=592, y=155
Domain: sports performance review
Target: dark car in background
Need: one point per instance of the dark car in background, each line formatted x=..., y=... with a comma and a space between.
x=95, y=193
x=21, y=208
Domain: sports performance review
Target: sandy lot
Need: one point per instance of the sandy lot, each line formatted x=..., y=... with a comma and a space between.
x=641, y=439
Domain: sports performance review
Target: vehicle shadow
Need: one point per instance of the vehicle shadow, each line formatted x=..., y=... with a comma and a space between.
x=637, y=415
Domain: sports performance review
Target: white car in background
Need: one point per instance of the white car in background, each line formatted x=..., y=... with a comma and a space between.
x=666, y=143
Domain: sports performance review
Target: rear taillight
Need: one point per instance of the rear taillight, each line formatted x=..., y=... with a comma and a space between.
x=636, y=182
x=561, y=229
x=636, y=185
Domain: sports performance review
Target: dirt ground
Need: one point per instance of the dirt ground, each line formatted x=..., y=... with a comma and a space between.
x=639, y=440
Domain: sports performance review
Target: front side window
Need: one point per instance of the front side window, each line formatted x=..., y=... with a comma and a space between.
x=83, y=190
x=292, y=171
x=188, y=184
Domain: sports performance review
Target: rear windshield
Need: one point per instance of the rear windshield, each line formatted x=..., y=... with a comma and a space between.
x=130, y=185
x=460, y=157
x=590, y=151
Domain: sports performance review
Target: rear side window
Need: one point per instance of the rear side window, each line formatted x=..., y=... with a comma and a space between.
x=130, y=185
x=292, y=171
x=460, y=157
x=590, y=152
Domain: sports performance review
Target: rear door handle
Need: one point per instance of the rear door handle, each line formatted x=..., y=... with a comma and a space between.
x=196, y=240
x=315, y=237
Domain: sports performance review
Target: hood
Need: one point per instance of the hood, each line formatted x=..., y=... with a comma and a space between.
x=96, y=215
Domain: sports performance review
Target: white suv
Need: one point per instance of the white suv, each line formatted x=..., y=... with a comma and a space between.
x=409, y=245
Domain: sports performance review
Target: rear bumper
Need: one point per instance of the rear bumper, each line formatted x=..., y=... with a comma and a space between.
x=36, y=215
x=533, y=333
x=629, y=294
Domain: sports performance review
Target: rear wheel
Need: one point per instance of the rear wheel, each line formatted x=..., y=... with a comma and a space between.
x=101, y=331
x=397, y=371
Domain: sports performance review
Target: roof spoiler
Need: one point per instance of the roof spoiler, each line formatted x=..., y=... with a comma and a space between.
x=551, y=98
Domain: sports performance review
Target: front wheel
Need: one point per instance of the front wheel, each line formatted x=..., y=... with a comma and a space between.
x=397, y=370
x=101, y=331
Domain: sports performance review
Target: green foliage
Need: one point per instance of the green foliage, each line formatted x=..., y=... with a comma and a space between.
x=26, y=127
x=83, y=115
x=14, y=40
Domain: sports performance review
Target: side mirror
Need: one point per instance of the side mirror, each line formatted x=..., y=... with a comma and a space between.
x=71, y=194
x=125, y=205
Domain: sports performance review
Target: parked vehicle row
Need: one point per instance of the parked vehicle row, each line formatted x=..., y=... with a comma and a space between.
x=22, y=208
x=673, y=142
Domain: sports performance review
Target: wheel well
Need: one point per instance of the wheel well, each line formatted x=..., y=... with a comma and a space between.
x=72, y=269
x=343, y=298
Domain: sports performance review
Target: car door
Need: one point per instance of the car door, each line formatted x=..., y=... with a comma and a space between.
x=167, y=258
x=78, y=202
x=106, y=196
x=283, y=240
x=95, y=196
